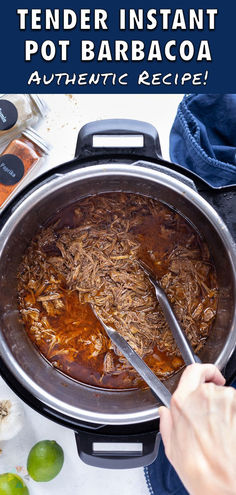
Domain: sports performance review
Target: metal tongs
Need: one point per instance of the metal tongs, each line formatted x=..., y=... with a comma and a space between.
x=158, y=388
x=178, y=333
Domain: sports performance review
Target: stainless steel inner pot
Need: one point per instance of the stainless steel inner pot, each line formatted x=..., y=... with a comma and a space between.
x=35, y=374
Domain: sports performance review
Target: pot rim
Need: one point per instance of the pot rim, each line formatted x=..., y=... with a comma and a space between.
x=58, y=181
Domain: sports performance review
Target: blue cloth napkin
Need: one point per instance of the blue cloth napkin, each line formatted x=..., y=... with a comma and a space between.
x=203, y=137
x=161, y=477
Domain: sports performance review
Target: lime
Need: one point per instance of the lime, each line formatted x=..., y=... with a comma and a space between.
x=12, y=484
x=45, y=460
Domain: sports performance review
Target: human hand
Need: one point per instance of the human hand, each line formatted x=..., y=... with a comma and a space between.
x=199, y=431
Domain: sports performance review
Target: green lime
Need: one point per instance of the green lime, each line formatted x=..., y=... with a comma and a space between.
x=12, y=484
x=45, y=460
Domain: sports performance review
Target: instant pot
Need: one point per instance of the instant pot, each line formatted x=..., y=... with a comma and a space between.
x=116, y=429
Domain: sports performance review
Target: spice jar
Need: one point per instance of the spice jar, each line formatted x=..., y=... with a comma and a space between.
x=17, y=112
x=18, y=160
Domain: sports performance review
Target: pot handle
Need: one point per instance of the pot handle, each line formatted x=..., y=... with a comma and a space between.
x=119, y=137
x=117, y=451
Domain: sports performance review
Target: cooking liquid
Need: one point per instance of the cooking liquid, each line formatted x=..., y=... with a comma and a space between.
x=77, y=322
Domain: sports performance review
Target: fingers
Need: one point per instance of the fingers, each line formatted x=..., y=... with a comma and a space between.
x=165, y=426
x=193, y=376
x=196, y=374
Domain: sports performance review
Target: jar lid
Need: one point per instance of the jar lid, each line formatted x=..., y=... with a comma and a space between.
x=41, y=104
x=37, y=139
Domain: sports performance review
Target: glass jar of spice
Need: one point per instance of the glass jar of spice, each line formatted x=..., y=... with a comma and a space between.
x=18, y=160
x=17, y=112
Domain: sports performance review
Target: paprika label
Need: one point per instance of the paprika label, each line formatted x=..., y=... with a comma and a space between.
x=11, y=169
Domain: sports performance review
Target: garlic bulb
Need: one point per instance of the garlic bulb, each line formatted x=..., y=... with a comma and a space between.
x=11, y=418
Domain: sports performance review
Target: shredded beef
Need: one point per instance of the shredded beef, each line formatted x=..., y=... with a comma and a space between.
x=96, y=255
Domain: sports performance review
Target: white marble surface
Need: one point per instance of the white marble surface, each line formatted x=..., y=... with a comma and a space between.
x=68, y=113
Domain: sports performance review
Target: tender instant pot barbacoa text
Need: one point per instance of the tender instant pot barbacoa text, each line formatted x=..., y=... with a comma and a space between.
x=88, y=255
